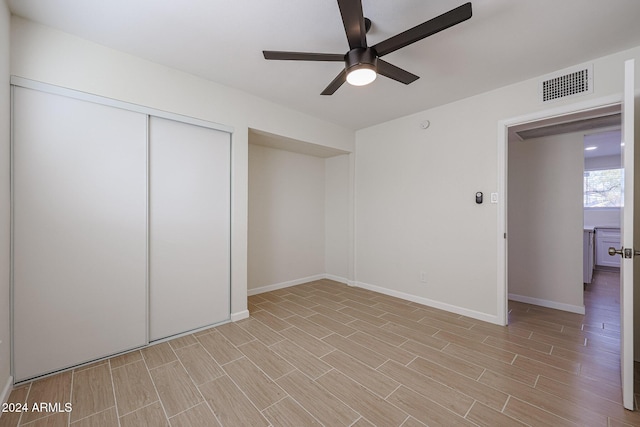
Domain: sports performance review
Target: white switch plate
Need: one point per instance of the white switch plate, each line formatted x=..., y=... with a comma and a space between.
x=494, y=197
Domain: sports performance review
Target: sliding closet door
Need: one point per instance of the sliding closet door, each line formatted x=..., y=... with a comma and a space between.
x=189, y=220
x=79, y=231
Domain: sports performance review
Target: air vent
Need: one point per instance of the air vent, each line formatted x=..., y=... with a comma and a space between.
x=566, y=83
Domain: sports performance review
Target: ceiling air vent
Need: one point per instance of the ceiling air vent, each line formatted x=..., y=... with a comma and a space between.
x=566, y=83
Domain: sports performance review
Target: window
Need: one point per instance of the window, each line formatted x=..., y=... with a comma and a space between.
x=603, y=188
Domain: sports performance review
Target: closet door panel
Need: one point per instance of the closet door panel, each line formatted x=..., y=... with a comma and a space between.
x=189, y=227
x=79, y=224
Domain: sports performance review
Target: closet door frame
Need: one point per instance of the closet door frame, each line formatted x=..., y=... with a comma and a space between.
x=21, y=82
x=85, y=96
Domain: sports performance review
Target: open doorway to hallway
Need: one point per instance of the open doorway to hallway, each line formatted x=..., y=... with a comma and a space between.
x=557, y=251
x=548, y=214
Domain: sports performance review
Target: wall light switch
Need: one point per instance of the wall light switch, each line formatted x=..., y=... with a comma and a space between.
x=494, y=197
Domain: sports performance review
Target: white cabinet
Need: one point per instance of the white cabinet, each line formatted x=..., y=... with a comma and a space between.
x=606, y=238
x=588, y=251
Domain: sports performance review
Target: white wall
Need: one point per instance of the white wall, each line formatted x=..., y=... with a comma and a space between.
x=5, y=351
x=47, y=55
x=337, y=214
x=414, y=195
x=286, y=218
x=636, y=225
x=545, y=221
x=416, y=211
x=602, y=162
x=606, y=217
x=299, y=214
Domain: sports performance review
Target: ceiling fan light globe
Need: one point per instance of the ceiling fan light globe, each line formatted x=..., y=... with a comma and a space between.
x=361, y=76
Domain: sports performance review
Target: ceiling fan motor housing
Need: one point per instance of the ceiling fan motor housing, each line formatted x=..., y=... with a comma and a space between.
x=361, y=57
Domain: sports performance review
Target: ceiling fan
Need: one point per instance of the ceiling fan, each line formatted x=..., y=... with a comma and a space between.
x=363, y=63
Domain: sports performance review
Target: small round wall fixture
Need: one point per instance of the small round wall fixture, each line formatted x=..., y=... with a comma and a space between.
x=425, y=124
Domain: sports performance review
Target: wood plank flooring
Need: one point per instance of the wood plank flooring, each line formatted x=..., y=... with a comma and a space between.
x=323, y=353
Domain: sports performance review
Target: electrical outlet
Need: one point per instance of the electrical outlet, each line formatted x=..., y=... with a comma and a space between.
x=423, y=277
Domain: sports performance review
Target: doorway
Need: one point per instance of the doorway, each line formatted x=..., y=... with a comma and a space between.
x=567, y=114
x=546, y=208
x=508, y=129
x=628, y=101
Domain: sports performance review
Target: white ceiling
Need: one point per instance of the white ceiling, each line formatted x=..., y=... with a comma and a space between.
x=505, y=41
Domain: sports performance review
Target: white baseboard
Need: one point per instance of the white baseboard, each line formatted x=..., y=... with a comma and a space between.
x=431, y=303
x=336, y=278
x=6, y=391
x=287, y=284
x=239, y=315
x=420, y=300
x=549, y=304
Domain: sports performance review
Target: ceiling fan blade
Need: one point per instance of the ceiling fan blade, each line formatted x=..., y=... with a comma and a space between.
x=395, y=73
x=302, y=56
x=336, y=83
x=432, y=26
x=353, y=20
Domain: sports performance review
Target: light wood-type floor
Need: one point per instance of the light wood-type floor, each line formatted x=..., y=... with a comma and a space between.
x=326, y=354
